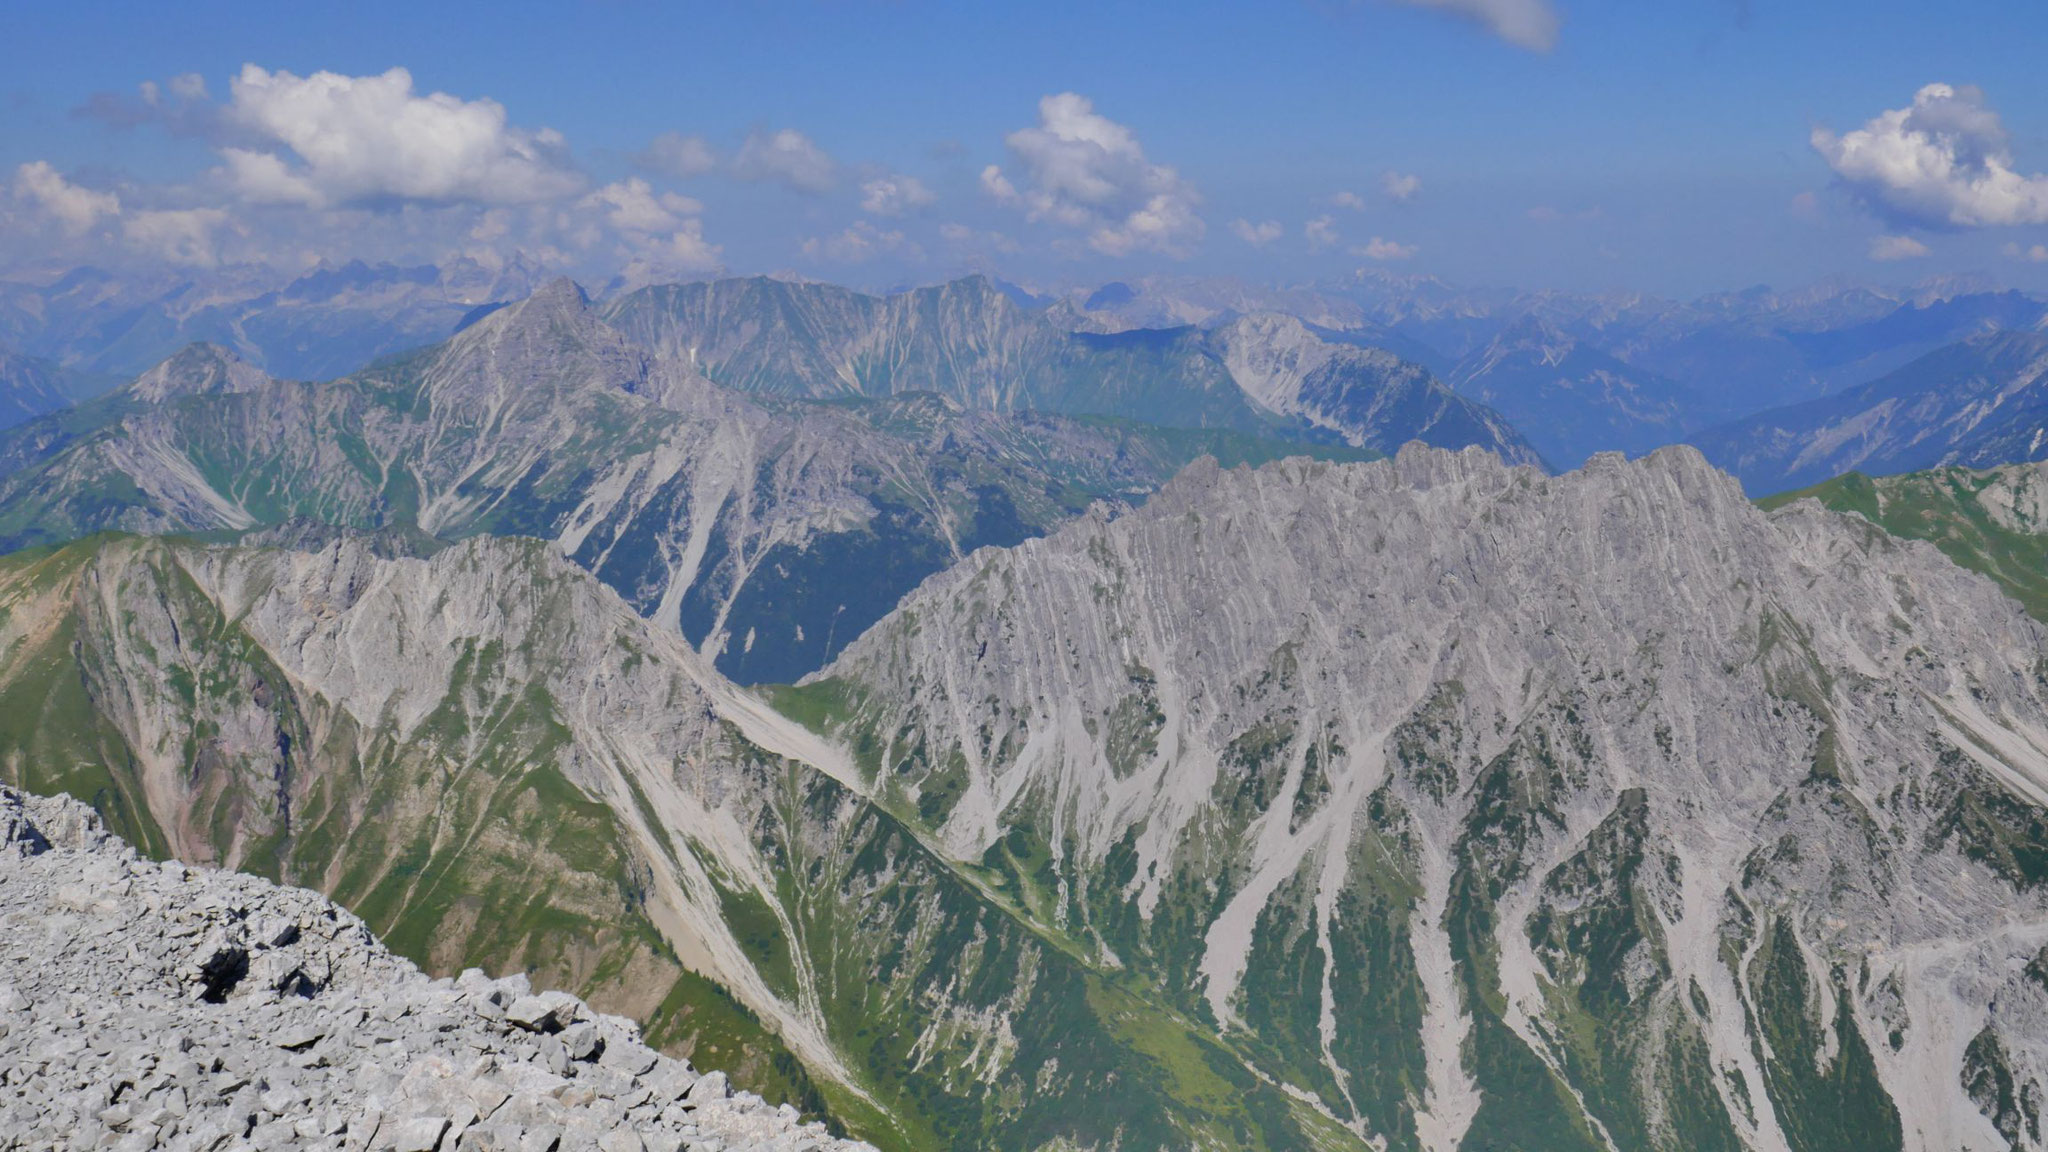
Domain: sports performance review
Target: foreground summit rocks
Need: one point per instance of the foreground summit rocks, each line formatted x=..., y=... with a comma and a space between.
x=147, y=1005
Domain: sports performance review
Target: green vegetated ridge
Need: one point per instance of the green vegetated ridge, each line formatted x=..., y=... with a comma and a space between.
x=462, y=845
x=1986, y=520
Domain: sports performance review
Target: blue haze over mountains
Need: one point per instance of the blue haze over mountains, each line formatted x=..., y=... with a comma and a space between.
x=1574, y=374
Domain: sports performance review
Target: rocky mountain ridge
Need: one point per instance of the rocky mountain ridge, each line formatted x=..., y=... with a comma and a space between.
x=1595, y=811
x=495, y=762
x=1417, y=804
x=716, y=515
x=970, y=341
x=1992, y=520
x=152, y=1005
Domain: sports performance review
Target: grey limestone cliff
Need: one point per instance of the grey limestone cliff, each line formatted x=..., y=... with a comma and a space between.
x=1490, y=809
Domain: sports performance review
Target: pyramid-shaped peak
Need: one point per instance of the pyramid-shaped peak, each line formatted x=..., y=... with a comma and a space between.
x=559, y=294
x=559, y=303
x=551, y=341
x=198, y=369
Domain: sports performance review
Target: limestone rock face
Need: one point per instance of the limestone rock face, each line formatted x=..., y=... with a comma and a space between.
x=198, y=370
x=1596, y=810
x=1368, y=396
x=152, y=1005
x=495, y=761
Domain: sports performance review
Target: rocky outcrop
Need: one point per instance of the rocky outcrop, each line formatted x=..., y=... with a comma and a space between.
x=152, y=1005
x=198, y=370
x=1368, y=396
x=1992, y=520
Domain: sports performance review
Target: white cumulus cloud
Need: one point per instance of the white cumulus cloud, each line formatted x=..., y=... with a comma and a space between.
x=1384, y=250
x=893, y=195
x=685, y=252
x=1890, y=248
x=1347, y=199
x=632, y=205
x=1087, y=172
x=1400, y=187
x=688, y=250
x=75, y=208
x=1943, y=161
x=679, y=256
x=1530, y=24
x=2033, y=254
x=1321, y=232
x=342, y=140
x=1257, y=235
x=787, y=157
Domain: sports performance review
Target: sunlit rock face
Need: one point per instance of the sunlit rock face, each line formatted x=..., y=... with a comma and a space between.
x=1482, y=806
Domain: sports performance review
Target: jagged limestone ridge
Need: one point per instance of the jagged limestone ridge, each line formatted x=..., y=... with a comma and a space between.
x=732, y=521
x=1369, y=396
x=1602, y=809
x=971, y=342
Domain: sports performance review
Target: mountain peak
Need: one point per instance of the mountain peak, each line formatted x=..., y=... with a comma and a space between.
x=553, y=336
x=198, y=369
x=1532, y=329
x=1423, y=466
x=559, y=303
x=560, y=296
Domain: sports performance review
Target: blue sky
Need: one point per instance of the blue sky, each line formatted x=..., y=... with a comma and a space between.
x=1664, y=146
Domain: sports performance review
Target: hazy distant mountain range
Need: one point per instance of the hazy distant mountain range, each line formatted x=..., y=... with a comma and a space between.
x=31, y=386
x=1977, y=403
x=317, y=325
x=1573, y=400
